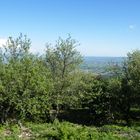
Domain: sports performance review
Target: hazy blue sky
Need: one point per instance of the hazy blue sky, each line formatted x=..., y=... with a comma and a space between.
x=103, y=27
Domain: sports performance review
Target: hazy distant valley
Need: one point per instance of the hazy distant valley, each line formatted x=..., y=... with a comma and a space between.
x=100, y=65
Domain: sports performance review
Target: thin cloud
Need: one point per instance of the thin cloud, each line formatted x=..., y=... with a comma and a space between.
x=132, y=27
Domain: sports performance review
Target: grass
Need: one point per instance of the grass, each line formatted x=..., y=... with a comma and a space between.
x=68, y=131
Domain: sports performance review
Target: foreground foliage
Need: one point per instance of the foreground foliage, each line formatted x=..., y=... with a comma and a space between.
x=68, y=131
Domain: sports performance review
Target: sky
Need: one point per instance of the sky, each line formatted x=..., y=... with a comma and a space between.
x=102, y=27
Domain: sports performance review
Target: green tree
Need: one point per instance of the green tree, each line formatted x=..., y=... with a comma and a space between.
x=25, y=82
x=96, y=98
x=132, y=70
x=63, y=60
x=131, y=83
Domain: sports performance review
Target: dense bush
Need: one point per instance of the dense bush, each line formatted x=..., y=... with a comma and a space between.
x=25, y=82
x=39, y=88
